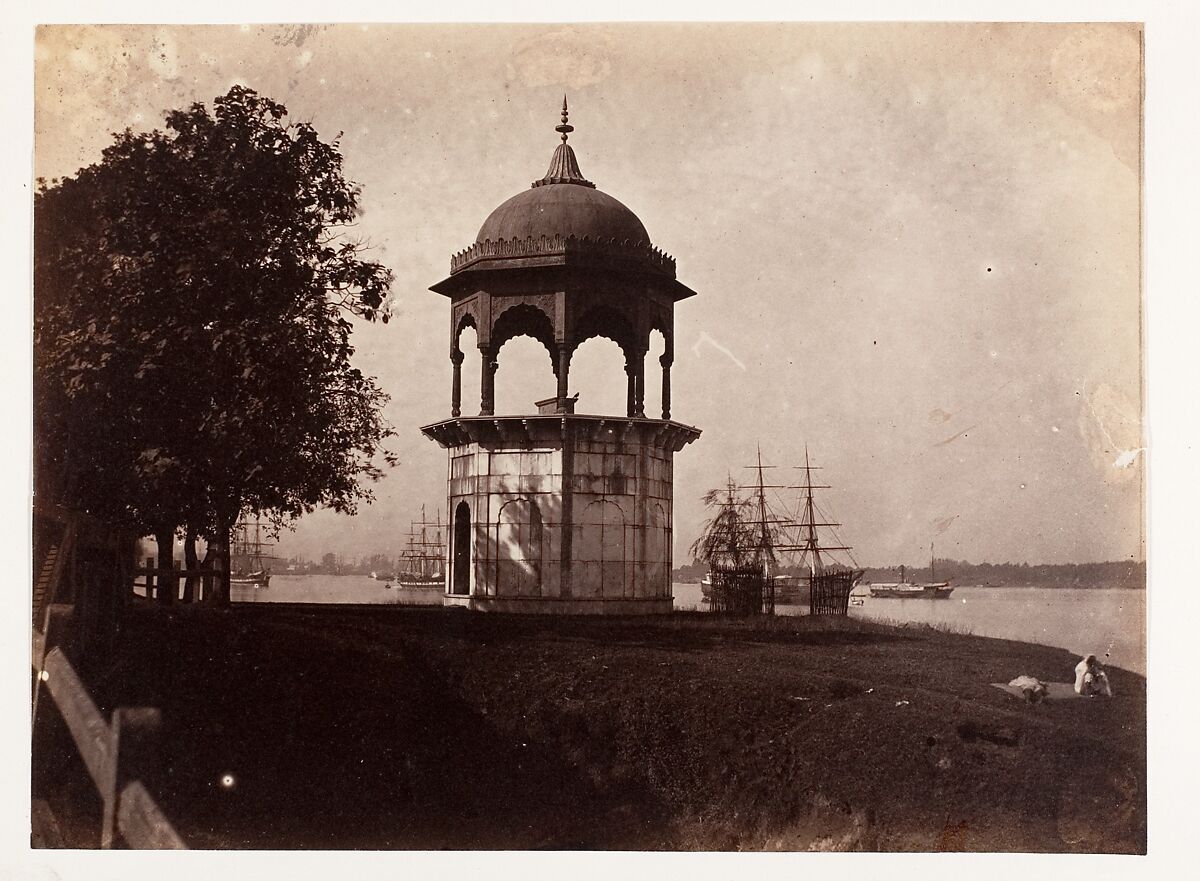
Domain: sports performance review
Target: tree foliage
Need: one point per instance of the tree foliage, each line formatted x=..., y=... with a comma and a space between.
x=729, y=538
x=193, y=296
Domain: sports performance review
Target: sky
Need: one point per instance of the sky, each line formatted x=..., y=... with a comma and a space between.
x=916, y=247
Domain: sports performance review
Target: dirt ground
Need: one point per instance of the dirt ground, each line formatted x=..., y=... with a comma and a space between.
x=399, y=727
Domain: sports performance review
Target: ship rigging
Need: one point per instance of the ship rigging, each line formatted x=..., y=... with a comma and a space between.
x=751, y=544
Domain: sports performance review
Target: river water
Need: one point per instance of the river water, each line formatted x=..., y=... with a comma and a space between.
x=1108, y=623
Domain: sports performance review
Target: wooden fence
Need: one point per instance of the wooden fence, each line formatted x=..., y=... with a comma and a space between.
x=742, y=591
x=116, y=755
x=153, y=579
x=829, y=593
x=119, y=754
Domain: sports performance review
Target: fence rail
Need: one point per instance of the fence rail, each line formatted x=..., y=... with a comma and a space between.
x=189, y=585
x=116, y=756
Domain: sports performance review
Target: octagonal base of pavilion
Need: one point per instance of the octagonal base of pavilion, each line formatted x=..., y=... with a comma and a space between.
x=561, y=513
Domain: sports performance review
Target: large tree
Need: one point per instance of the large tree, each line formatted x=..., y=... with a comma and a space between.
x=193, y=296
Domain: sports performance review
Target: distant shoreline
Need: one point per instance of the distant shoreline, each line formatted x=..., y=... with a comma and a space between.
x=1113, y=574
x=1008, y=586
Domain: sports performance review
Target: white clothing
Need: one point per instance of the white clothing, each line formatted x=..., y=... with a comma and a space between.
x=1091, y=680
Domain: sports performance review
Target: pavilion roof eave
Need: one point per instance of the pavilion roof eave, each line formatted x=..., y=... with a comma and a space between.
x=459, y=282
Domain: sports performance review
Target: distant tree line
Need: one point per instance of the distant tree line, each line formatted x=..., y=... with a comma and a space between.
x=335, y=564
x=1129, y=574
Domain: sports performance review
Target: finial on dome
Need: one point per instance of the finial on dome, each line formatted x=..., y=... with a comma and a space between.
x=564, y=167
x=564, y=127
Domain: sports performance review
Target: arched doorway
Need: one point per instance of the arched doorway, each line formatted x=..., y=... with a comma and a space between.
x=460, y=583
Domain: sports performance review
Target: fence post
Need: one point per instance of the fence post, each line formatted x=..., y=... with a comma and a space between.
x=135, y=751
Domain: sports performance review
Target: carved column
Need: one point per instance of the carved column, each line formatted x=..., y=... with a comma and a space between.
x=456, y=358
x=666, y=361
x=564, y=365
x=631, y=388
x=639, y=385
x=487, y=394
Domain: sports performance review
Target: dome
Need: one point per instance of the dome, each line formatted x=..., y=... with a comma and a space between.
x=565, y=209
x=563, y=203
x=562, y=220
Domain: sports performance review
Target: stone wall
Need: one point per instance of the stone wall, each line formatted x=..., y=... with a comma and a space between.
x=615, y=491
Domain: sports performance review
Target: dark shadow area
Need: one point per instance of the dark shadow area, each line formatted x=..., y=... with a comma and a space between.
x=340, y=727
x=683, y=631
x=278, y=738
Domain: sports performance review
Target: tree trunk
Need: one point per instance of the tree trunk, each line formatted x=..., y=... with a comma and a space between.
x=220, y=594
x=168, y=584
x=190, y=562
x=208, y=567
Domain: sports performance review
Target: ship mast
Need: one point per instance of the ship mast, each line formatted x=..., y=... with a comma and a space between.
x=810, y=543
x=246, y=552
x=731, y=525
x=424, y=556
x=764, y=552
x=424, y=542
x=812, y=547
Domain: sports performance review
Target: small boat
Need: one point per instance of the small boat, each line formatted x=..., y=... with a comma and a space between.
x=900, y=590
x=906, y=590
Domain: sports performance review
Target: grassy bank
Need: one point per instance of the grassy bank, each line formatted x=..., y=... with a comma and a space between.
x=394, y=727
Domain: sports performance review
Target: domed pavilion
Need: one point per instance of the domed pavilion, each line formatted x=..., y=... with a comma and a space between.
x=554, y=511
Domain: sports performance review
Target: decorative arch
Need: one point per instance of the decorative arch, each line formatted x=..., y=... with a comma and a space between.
x=601, y=550
x=518, y=544
x=660, y=319
x=523, y=319
x=599, y=374
x=467, y=319
x=609, y=323
x=613, y=324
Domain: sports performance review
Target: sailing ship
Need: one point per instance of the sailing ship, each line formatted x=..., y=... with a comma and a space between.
x=830, y=580
x=904, y=589
x=248, y=560
x=422, y=563
x=751, y=535
x=739, y=556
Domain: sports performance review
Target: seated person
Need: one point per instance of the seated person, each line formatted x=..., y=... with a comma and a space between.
x=1090, y=678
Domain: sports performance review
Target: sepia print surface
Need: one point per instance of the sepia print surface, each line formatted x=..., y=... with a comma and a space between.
x=760, y=478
